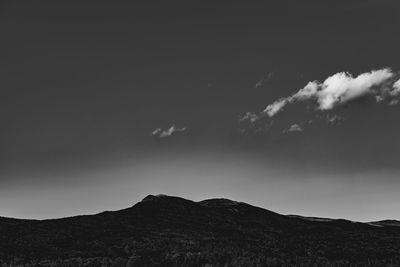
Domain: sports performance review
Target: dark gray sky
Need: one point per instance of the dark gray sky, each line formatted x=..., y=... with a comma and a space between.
x=84, y=84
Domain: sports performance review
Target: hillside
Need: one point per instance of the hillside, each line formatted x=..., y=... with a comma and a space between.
x=171, y=231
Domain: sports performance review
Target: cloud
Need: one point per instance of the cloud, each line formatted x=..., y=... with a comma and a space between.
x=341, y=88
x=309, y=91
x=334, y=119
x=250, y=117
x=156, y=132
x=267, y=78
x=275, y=107
x=166, y=133
x=396, y=89
x=383, y=85
x=294, y=128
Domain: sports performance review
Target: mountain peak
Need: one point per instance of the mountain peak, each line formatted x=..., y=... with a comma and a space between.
x=154, y=197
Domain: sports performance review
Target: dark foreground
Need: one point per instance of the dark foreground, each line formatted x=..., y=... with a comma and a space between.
x=171, y=231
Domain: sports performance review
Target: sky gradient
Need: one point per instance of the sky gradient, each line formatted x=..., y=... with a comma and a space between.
x=103, y=103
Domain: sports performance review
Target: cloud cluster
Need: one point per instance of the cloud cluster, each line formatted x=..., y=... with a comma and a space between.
x=249, y=116
x=341, y=88
x=336, y=90
x=160, y=133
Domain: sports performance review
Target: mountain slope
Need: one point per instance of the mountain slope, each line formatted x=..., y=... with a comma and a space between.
x=171, y=231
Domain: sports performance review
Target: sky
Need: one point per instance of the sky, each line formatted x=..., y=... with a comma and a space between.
x=288, y=105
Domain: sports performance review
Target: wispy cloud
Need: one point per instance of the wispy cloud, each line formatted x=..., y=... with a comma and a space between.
x=334, y=119
x=267, y=78
x=341, y=88
x=160, y=133
x=250, y=117
x=294, y=128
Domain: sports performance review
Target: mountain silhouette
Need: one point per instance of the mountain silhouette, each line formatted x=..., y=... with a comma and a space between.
x=165, y=230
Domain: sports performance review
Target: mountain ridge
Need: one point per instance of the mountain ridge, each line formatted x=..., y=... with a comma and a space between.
x=212, y=202
x=166, y=230
x=208, y=202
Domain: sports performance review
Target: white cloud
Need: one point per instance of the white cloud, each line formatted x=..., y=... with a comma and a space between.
x=383, y=85
x=308, y=91
x=166, y=133
x=341, y=88
x=259, y=84
x=294, y=128
x=249, y=116
x=396, y=89
x=156, y=131
x=275, y=107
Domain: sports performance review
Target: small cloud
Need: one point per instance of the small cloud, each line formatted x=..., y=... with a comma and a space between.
x=379, y=98
x=250, y=117
x=259, y=84
x=334, y=119
x=156, y=132
x=267, y=78
x=294, y=128
x=250, y=123
x=275, y=107
x=166, y=133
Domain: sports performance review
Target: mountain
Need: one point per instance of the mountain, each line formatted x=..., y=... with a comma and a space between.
x=386, y=223
x=167, y=231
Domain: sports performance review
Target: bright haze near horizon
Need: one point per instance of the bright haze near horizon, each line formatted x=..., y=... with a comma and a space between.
x=105, y=102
